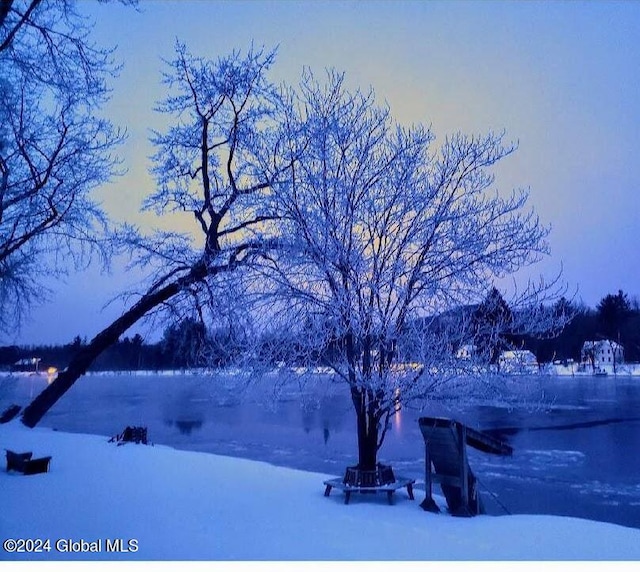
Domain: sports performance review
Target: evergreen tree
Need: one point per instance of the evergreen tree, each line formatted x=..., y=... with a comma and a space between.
x=492, y=321
x=184, y=343
x=613, y=312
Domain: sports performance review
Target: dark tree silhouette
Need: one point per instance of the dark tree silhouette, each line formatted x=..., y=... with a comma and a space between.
x=54, y=147
x=186, y=342
x=613, y=311
x=492, y=325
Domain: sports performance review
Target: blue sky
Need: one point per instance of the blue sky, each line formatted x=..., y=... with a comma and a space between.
x=562, y=78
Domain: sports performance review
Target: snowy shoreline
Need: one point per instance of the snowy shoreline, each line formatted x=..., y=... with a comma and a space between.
x=547, y=370
x=182, y=505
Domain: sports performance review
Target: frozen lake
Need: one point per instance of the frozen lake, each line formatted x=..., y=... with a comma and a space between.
x=577, y=451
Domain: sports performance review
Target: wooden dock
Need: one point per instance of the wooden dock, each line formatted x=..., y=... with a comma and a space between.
x=446, y=463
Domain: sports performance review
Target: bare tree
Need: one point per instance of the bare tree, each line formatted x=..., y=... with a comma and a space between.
x=217, y=161
x=385, y=240
x=54, y=149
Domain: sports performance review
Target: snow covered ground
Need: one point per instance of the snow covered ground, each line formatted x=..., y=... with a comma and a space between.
x=180, y=505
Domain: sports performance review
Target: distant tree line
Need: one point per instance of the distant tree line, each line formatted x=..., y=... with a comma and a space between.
x=615, y=318
x=185, y=344
x=189, y=343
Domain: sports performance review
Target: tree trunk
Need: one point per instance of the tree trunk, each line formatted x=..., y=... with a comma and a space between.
x=367, y=430
x=78, y=366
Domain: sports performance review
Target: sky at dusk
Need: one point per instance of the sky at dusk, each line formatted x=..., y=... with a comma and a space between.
x=561, y=78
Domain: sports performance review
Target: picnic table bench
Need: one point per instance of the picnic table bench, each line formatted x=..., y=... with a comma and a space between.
x=389, y=488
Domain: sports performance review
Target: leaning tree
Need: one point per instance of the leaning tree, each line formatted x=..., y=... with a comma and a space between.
x=385, y=238
x=217, y=161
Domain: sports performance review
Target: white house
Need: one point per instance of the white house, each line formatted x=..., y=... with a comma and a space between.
x=466, y=351
x=602, y=352
x=518, y=361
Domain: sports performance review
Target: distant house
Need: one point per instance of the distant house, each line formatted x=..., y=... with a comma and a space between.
x=26, y=365
x=518, y=361
x=602, y=352
x=466, y=351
